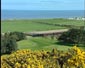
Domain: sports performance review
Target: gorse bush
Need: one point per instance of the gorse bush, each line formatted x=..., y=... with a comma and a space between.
x=77, y=59
x=73, y=36
x=74, y=58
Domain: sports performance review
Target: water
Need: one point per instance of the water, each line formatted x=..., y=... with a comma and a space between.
x=33, y=14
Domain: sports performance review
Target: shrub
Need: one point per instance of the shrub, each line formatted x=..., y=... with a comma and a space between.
x=8, y=41
x=73, y=36
x=73, y=58
x=3, y=47
x=17, y=35
x=8, y=44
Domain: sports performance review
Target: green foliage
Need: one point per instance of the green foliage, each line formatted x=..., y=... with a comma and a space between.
x=3, y=46
x=8, y=41
x=8, y=44
x=18, y=35
x=73, y=36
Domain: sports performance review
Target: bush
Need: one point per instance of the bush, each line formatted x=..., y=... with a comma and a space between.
x=8, y=44
x=73, y=58
x=17, y=35
x=3, y=47
x=8, y=41
x=73, y=36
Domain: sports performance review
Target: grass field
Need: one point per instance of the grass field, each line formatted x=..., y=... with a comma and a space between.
x=25, y=26
x=62, y=21
x=40, y=43
x=31, y=25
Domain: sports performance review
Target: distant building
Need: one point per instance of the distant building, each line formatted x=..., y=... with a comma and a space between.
x=77, y=18
x=83, y=18
x=71, y=18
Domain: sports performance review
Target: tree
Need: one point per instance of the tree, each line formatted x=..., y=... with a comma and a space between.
x=8, y=44
x=18, y=35
x=73, y=36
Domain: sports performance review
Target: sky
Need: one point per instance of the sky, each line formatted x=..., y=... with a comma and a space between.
x=42, y=4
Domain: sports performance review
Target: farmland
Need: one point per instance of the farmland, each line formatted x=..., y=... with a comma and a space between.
x=62, y=21
x=32, y=25
x=38, y=43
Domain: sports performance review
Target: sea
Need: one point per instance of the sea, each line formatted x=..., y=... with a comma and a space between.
x=40, y=14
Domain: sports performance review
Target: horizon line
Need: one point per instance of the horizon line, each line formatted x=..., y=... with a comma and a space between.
x=40, y=9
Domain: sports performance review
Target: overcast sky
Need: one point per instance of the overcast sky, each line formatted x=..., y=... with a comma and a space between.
x=42, y=4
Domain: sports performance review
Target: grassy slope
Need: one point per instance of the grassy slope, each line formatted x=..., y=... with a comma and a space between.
x=30, y=25
x=25, y=26
x=62, y=21
x=39, y=43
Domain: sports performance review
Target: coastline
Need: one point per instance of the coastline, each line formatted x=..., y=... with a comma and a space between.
x=70, y=18
x=41, y=14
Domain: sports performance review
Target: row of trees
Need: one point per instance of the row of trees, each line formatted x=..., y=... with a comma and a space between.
x=8, y=41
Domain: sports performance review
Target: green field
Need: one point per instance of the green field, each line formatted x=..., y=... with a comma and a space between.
x=32, y=25
x=40, y=43
x=62, y=21
x=25, y=26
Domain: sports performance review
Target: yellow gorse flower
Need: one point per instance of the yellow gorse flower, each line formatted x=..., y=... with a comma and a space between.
x=44, y=59
x=28, y=66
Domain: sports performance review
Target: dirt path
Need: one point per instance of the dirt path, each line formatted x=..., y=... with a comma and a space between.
x=47, y=32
